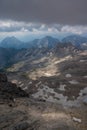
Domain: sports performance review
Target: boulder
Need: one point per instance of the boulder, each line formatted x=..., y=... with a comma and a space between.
x=85, y=100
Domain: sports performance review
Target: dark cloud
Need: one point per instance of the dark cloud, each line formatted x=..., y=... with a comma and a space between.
x=45, y=11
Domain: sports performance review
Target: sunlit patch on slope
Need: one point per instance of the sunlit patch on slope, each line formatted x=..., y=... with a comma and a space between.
x=54, y=116
x=16, y=67
x=49, y=67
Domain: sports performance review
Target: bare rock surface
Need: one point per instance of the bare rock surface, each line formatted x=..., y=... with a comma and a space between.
x=9, y=90
x=54, y=98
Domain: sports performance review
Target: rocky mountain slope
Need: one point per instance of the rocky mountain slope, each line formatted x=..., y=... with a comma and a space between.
x=9, y=55
x=75, y=40
x=55, y=78
x=8, y=90
x=45, y=42
x=13, y=42
x=57, y=100
x=6, y=56
x=12, y=50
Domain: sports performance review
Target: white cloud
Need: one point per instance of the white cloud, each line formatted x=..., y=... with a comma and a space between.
x=24, y=30
x=74, y=29
x=53, y=30
x=43, y=26
x=16, y=28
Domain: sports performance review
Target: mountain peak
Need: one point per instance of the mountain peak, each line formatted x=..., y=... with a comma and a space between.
x=12, y=37
x=11, y=42
x=48, y=37
x=76, y=40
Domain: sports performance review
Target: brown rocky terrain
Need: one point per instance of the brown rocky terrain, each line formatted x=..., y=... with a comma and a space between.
x=57, y=88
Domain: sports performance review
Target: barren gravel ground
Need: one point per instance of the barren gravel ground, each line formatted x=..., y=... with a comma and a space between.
x=41, y=116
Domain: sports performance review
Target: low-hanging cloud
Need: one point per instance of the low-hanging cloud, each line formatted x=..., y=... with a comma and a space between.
x=15, y=26
x=70, y=12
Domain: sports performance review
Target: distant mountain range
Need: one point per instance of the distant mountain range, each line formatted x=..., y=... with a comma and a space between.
x=75, y=40
x=12, y=42
x=46, y=42
x=13, y=50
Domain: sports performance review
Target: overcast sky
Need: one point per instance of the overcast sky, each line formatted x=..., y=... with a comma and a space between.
x=43, y=16
x=48, y=11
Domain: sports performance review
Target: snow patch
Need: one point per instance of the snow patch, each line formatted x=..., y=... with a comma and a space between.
x=25, y=88
x=85, y=100
x=62, y=87
x=21, y=85
x=82, y=60
x=73, y=82
x=77, y=120
x=83, y=91
x=48, y=94
x=68, y=75
x=30, y=82
x=85, y=76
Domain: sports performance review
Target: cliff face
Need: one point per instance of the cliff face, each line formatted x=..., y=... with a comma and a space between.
x=9, y=90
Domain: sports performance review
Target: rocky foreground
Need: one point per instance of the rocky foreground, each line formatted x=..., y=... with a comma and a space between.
x=19, y=112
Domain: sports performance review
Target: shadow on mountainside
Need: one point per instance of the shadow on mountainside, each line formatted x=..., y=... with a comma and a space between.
x=9, y=90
